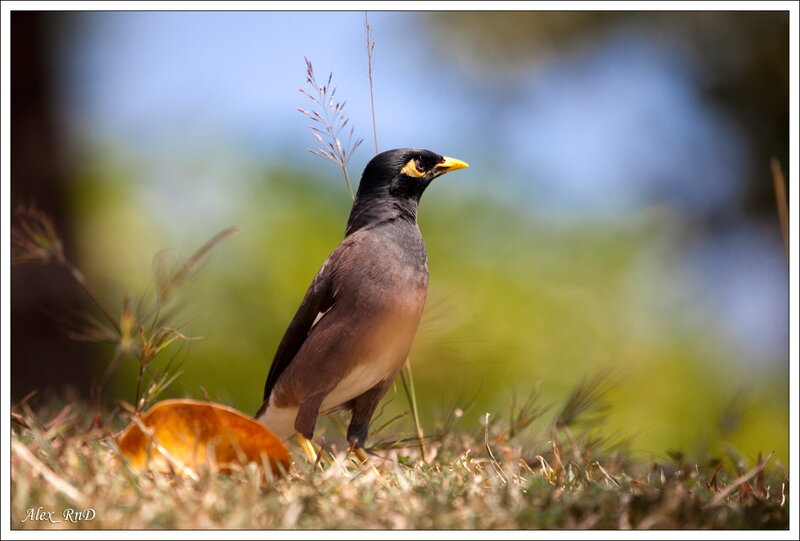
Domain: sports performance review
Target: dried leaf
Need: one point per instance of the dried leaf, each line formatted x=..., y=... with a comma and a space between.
x=185, y=435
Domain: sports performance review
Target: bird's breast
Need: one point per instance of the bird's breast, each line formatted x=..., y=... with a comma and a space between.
x=384, y=305
x=386, y=326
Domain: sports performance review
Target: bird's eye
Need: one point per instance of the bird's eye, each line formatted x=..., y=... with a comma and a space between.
x=414, y=168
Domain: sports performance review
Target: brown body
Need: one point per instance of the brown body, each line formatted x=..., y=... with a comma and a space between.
x=357, y=346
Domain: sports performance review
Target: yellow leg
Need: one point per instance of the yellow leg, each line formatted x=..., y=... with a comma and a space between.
x=362, y=459
x=361, y=455
x=308, y=448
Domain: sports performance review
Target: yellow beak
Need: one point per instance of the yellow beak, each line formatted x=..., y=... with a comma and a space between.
x=450, y=164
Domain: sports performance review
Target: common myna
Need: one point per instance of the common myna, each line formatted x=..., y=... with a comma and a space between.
x=354, y=329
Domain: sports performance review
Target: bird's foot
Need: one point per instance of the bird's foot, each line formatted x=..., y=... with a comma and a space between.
x=308, y=449
x=359, y=454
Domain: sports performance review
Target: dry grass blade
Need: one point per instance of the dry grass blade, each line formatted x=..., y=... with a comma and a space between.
x=388, y=423
x=49, y=475
x=755, y=470
x=496, y=465
x=401, y=443
x=608, y=475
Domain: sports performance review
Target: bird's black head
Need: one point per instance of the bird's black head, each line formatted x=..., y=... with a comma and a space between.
x=393, y=182
x=405, y=172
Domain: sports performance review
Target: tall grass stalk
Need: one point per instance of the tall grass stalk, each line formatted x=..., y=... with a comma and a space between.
x=370, y=61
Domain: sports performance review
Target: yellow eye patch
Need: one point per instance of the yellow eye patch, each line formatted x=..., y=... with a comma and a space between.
x=410, y=169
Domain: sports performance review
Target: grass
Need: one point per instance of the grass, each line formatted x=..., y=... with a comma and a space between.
x=145, y=326
x=496, y=476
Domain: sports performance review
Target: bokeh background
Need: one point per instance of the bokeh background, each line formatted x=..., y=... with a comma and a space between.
x=618, y=216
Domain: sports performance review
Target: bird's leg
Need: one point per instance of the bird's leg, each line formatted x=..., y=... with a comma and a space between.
x=363, y=407
x=360, y=454
x=307, y=413
x=308, y=448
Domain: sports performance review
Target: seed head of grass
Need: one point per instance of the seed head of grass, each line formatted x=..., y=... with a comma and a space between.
x=35, y=238
x=328, y=121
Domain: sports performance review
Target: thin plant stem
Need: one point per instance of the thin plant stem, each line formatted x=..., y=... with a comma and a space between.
x=370, y=49
x=407, y=378
x=139, y=379
x=347, y=181
x=77, y=275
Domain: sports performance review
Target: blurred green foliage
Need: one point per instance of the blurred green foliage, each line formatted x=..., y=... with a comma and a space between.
x=516, y=301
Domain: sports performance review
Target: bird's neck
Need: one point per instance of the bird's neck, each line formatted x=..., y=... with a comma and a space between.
x=370, y=210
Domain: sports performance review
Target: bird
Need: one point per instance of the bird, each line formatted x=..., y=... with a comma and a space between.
x=354, y=328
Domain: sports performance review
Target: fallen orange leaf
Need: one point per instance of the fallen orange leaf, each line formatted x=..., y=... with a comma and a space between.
x=185, y=435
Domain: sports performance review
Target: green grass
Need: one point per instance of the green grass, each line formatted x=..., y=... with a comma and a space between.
x=501, y=474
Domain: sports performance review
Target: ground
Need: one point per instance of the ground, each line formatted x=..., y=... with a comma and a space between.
x=497, y=476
